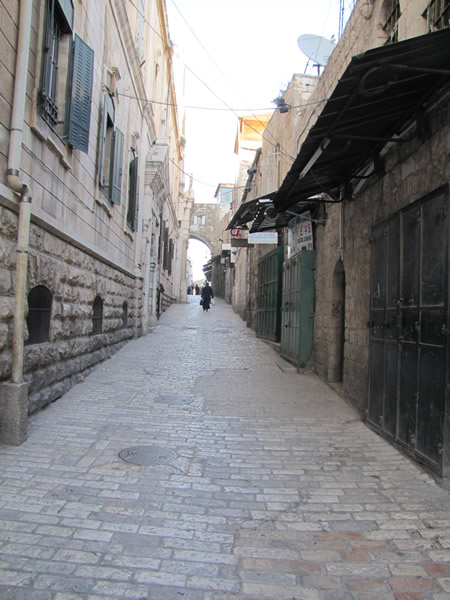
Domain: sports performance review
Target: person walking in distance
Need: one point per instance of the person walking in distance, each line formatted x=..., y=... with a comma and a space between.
x=207, y=295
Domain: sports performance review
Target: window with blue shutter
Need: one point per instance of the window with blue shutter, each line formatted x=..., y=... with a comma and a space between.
x=79, y=118
x=106, y=142
x=133, y=195
x=115, y=176
x=55, y=62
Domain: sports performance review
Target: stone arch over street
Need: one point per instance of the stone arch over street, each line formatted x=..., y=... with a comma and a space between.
x=208, y=222
x=201, y=239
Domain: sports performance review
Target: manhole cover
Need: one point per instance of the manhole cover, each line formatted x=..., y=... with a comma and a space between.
x=173, y=399
x=148, y=455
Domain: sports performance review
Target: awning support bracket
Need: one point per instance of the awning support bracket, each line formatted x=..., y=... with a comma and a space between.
x=303, y=218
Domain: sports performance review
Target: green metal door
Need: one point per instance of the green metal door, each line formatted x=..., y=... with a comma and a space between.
x=297, y=310
x=268, y=303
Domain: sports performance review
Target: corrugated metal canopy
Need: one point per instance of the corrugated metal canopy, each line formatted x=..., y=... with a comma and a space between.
x=267, y=218
x=247, y=211
x=381, y=92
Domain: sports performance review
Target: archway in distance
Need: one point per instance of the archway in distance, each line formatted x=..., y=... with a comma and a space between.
x=198, y=253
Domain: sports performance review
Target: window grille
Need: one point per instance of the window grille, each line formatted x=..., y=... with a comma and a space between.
x=58, y=25
x=39, y=314
x=437, y=14
x=65, y=94
x=391, y=25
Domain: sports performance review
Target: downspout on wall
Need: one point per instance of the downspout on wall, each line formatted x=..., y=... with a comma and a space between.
x=14, y=394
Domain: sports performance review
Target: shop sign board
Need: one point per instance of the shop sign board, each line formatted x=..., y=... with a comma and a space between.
x=300, y=234
x=263, y=237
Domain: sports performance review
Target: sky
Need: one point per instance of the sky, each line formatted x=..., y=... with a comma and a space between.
x=236, y=56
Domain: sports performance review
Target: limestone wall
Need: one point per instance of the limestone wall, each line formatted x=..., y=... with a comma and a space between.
x=74, y=278
x=83, y=241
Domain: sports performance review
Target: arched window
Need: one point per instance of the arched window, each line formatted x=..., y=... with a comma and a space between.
x=125, y=314
x=97, y=318
x=39, y=313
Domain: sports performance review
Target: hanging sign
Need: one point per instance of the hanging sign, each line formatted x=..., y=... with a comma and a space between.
x=263, y=237
x=300, y=234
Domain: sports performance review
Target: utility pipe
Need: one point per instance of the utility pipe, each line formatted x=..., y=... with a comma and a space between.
x=15, y=183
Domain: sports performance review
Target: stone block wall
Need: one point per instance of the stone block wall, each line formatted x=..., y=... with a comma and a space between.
x=413, y=170
x=326, y=242
x=74, y=278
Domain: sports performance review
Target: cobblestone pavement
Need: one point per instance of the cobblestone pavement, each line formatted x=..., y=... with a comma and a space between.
x=258, y=483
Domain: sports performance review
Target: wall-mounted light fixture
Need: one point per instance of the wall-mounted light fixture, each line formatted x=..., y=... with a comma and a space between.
x=281, y=105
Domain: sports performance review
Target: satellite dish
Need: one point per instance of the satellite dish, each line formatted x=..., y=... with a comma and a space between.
x=316, y=47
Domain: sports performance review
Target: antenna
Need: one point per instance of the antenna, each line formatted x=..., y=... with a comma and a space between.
x=317, y=48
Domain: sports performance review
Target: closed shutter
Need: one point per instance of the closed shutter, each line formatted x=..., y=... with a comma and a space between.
x=115, y=178
x=132, y=195
x=79, y=118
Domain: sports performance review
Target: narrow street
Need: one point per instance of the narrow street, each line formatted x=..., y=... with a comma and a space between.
x=238, y=479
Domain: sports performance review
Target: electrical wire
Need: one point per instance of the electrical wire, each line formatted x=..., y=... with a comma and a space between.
x=274, y=108
x=213, y=185
x=228, y=108
x=277, y=143
x=208, y=87
x=190, y=176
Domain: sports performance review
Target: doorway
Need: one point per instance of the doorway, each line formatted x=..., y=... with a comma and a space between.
x=408, y=400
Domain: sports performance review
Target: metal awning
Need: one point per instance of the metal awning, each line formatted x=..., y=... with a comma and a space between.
x=380, y=94
x=268, y=219
x=247, y=211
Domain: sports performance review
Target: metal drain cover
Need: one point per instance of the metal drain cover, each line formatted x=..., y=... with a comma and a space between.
x=148, y=455
x=173, y=399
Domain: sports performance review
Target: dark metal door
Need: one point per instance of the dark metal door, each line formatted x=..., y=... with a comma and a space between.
x=408, y=329
x=297, y=310
x=268, y=303
x=383, y=364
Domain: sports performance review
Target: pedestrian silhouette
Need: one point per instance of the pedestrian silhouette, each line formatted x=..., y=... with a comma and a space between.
x=207, y=295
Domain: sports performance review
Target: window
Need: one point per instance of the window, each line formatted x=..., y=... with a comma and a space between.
x=111, y=155
x=132, y=212
x=393, y=14
x=226, y=196
x=140, y=28
x=39, y=313
x=437, y=14
x=97, y=318
x=170, y=257
x=165, y=240
x=125, y=314
x=67, y=76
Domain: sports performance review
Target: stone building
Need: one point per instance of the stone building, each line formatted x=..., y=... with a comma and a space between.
x=94, y=215
x=260, y=175
x=372, y=174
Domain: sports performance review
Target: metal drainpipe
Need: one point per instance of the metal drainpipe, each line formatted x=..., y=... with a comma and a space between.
x=14, y=182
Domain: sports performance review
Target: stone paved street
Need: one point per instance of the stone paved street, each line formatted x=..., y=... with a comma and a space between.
x=257, y=483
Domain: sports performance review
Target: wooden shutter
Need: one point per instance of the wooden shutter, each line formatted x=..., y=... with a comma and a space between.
x=79, y=118
x=115, y=173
